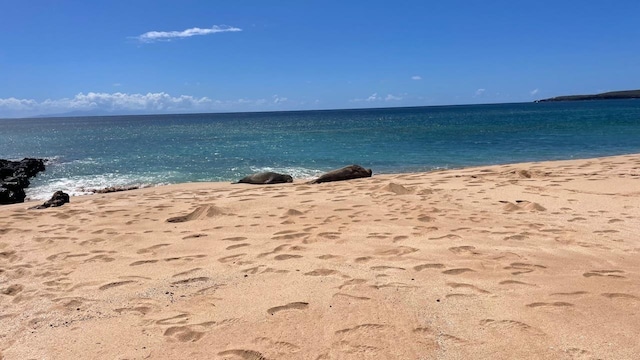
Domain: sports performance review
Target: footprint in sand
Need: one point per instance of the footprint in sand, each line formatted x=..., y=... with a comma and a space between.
x=553, y=304
x=384, y=268
x=362, y=329
x=241, y=354
x=428, y=266
x=174, y=320
x=510, y=325
x=467, y=250
x=231, y=258
x=523, y=268
x=12, y=290
x=457, y=271
x=329, y=257
x=400, y=238
x=575, y=293
x=620, y=296
x=191, y=280
x=286, y=257
x=232, y=247
x=140, y=310
x=234, y=239
x=101, y=258
x=468, y=286
x=289, y=306
x=350, y=297
x=321, y=272
x=289, y=236
x=150, y=249
x=279, y=346
x=115, y=284
x=183, y=334
x=352, y=283
x=397, y=251
x=143, y=262
x=194, y=236
x=603, y=273
x=515, y=282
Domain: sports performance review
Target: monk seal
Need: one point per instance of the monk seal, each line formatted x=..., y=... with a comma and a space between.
x=346, y=173
x=265, y=178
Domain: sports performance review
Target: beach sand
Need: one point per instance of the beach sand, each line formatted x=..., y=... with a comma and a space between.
x=523, y=261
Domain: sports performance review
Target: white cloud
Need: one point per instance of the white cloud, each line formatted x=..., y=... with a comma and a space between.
x=533, y=92
x=153, y=36
x=373, y=97
x=277, y=99
x=123, y=103
x=377, y=98
x=416, y=77
x=17, y=104
x=104, y=102
x=480, y=92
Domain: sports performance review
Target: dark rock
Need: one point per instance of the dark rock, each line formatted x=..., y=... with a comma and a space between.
x=59, y=198
x=14, y=178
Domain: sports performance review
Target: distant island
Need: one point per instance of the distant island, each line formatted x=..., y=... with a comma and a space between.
x=628, y=94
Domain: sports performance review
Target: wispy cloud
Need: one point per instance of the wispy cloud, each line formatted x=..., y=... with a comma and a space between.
x=104, y=102
x=534, y=92
x=153, y=36
x=123, y=103
x=416, y=77
x=278, y=99
x=373, y=97
x=378, y=98
x=480, y=92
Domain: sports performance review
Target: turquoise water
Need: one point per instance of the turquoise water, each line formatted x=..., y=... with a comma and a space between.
x=96, y=152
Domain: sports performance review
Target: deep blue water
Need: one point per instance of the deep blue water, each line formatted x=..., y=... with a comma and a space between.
x=95, y=152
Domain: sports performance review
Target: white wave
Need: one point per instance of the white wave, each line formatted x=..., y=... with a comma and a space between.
x=83, y=185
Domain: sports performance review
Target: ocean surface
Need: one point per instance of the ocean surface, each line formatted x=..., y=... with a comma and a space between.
x=96, y=152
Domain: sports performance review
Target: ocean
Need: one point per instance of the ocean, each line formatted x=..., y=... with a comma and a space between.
x=96, y=152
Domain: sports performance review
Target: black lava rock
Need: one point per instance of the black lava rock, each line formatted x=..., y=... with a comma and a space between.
x=14, y=178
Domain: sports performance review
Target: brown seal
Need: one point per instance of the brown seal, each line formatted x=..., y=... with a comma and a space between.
x=265, y=178
x=346, y=173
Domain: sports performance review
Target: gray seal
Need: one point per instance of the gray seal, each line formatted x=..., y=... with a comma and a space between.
x=265, y=178
x=346, y=173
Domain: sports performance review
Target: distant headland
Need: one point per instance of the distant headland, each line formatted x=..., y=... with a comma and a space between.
x=627, y=94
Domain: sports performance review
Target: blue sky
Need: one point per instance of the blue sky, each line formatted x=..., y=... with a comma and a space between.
x=139, y=56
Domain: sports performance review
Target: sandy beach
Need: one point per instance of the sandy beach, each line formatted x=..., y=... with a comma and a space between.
x=523, y=261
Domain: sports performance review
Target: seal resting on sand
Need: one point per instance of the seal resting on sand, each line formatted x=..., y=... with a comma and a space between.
x=346, y=173
x=265, y=178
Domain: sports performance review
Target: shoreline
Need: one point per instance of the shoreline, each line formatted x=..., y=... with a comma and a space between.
x=501, y=261
x=96, y=191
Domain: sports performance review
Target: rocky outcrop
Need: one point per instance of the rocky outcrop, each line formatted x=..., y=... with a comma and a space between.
x=59, y=198
x=612, y=95
x=14, y=178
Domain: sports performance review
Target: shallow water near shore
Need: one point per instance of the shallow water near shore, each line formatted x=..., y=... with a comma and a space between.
x=95, y=152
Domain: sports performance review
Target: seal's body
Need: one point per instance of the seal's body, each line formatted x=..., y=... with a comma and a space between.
x=346, y=173
x=265, y=178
